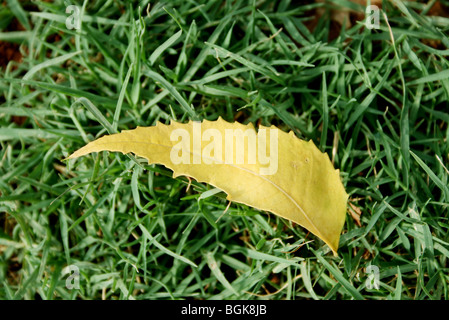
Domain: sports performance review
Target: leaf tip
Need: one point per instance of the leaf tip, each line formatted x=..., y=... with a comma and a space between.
x=74, y=155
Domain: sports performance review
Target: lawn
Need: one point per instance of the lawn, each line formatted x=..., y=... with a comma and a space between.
x=110, y=226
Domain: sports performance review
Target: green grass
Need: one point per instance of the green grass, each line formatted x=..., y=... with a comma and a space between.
x=378, y=107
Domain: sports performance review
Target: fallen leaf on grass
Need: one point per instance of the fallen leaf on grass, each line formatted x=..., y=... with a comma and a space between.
x=269, y=169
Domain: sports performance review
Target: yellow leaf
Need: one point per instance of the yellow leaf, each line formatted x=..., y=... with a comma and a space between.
x=269, y=169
